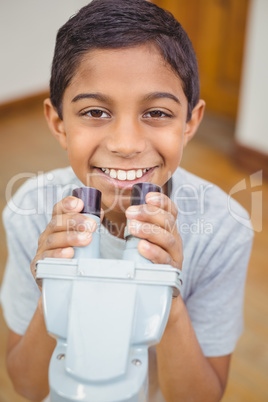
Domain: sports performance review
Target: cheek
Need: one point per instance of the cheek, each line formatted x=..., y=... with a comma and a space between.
x=79, y=155
x=80, y=146
x=171, y=148
x=76, y=140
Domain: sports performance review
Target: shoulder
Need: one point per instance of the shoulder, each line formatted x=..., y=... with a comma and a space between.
x=210, y=221
x=204, y=203
x=36, y=197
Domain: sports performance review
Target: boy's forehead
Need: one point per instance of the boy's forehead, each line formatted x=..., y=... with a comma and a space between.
x=122, y=56
x=143, y=63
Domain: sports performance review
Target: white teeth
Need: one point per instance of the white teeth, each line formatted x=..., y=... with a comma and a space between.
x=139, y=173
x=131, y=175
x=113, y=174
x=125, y=174
x=121, y=175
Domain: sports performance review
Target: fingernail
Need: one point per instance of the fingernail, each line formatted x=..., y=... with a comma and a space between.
x=66, y=251
x=84, y=235
x=90, y=225
x=144, y=245
x=155, y=198
x=134, y=226
x=133, y=210
x=71, y=203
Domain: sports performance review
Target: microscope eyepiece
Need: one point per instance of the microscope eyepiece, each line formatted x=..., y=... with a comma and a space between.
x=140, y=190
x=91, y=198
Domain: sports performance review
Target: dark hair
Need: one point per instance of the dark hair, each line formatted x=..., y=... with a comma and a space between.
x=113, y=24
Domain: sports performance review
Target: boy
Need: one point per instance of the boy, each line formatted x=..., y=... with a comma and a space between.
x=124, y=103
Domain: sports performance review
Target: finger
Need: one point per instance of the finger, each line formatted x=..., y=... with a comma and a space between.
x=162, y=201
x=65, y=239
x=152, y=214
x=157, y=255
x=170, y=242
x=67, y=252
x=67, y=205
x=78, y=222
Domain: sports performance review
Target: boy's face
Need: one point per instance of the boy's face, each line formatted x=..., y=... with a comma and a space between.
x=124, y=121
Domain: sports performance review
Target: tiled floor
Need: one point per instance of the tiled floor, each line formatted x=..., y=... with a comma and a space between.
x=28, y=148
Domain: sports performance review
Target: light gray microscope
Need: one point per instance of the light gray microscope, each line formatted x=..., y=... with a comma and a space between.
x=105, y=314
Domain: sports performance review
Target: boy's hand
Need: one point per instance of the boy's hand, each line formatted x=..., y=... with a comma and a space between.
x=155, y=224
x=67, y=229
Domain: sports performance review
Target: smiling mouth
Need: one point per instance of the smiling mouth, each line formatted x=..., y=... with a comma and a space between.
x=124, y=175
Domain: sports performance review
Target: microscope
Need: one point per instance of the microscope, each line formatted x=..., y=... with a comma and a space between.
x=104, y=314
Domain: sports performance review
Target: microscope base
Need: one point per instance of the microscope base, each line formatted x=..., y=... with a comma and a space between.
x=65, y=388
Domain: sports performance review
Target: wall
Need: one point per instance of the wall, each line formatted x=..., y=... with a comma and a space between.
x=27, y=37
x=252, y=127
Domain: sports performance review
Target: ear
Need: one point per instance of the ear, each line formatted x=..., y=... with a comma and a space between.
x=193, y=124
x=55, y=123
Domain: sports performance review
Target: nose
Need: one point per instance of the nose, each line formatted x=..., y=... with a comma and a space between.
x=127, y=138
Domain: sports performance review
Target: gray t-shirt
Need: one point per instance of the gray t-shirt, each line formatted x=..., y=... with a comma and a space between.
x=217, y=241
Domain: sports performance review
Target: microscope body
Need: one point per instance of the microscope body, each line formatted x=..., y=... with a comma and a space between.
x=105, y=314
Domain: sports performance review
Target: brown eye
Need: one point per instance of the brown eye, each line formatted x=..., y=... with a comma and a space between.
x=96, y=114
x=157, y=114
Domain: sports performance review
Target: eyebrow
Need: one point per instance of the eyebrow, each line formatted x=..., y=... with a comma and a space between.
x=159, y=95
x=104, y=98
x=100, y=97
